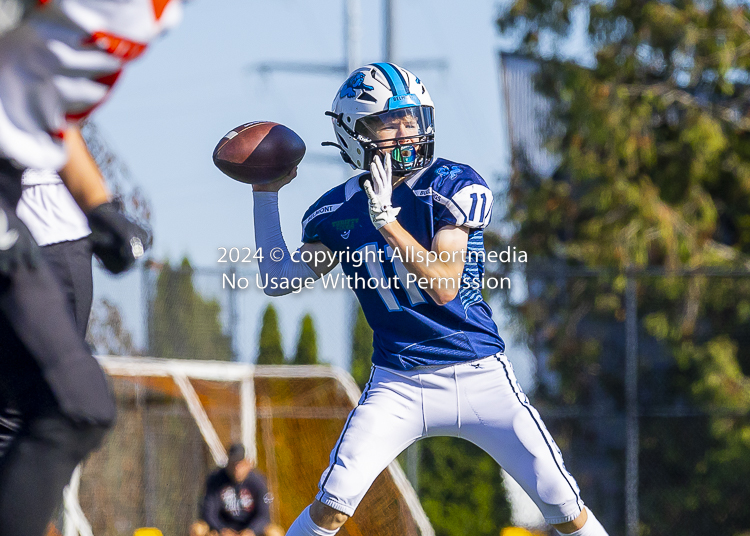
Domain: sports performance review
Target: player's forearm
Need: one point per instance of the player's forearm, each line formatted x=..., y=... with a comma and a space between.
x=443, y=278
x=282, y=275
x=81, y=175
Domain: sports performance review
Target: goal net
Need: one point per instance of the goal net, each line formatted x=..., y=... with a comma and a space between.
x=175, y=419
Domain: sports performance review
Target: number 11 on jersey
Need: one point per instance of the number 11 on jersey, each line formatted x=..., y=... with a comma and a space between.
x=375, y=271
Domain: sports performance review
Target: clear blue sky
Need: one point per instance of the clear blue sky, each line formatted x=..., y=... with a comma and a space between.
x=173, y=105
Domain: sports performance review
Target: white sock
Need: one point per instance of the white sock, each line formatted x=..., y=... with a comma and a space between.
x=305, y=526
x=592, y=527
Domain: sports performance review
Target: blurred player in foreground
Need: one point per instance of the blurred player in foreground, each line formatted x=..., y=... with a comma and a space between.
x=56, y=65
x=60, y=229
x=236, y=501
x=439, y=367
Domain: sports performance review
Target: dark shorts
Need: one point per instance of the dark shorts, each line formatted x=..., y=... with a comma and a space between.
x=70, y=263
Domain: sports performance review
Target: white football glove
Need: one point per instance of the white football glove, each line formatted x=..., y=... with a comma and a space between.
x=379, y=191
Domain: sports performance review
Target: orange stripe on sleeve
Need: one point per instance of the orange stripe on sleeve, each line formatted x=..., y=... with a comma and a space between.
x=159, y=6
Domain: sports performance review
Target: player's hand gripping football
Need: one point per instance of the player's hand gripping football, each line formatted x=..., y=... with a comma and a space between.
x=117, y=240
x=379, y=192
x=276, y=185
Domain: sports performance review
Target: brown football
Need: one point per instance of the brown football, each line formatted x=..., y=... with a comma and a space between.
x=259, y=152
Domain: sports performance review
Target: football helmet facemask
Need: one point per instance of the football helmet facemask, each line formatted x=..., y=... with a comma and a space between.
x=383, y=108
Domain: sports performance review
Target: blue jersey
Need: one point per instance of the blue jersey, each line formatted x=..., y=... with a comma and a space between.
x=410, y=329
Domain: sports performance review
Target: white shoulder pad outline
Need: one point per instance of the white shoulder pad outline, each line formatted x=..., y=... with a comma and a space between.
x=327, y=209
x=471, y=206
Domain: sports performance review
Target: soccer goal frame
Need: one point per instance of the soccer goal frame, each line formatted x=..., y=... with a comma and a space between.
x=183, y=372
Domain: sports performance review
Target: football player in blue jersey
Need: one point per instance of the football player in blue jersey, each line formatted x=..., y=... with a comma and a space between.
x=408, y=236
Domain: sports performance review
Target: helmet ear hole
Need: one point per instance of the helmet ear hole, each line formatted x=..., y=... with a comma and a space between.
x=342, y=140
x=367, y=97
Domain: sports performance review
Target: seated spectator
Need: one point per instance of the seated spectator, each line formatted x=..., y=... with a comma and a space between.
x=236, y=502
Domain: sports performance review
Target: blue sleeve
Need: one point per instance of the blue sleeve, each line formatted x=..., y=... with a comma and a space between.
x=461, y=198
x=316, y=214
x=309, y=224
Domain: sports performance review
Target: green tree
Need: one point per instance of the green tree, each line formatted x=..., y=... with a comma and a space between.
x=461, y=488
x=107, y=333
x=307, y=345
x=654, y=150
x=361, y=349
x=183, y=324
x=271, y=352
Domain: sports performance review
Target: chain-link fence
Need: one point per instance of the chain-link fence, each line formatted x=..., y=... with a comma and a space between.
x=642, y=380
x=641, y=377
x=152, y=468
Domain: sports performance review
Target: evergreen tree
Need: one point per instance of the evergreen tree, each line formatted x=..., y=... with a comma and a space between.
x=307, y=346
x=361, y=349
x=461, y=488
x=271, y=352
x=655, y=172
x=183, y=324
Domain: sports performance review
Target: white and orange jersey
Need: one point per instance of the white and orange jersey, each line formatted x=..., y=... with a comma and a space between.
x=60, y=64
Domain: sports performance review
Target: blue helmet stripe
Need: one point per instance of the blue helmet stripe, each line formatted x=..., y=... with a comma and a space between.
x=394, y=77
x=401, y=96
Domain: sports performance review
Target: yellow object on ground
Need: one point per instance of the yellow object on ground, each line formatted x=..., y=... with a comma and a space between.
x=147, y=531
x=517, y=531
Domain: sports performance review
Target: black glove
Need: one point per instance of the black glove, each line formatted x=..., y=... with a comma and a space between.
x=17, y=247
x=117, y=240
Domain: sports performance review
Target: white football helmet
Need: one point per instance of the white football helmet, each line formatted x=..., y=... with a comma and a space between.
x=384, y=108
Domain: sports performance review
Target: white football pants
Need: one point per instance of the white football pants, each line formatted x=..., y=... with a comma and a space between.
x=480, y=401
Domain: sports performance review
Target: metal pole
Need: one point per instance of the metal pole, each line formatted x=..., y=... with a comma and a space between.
x=389, y=45
x=233, y=317
x=412, y=466
x=149, y=485
x=248, y=418
x=353, y=37
x=631, y=407
x=70, y=494
x=146, y=293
